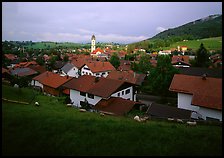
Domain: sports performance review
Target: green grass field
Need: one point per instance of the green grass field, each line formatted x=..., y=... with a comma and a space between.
x=47, y=45
x=54, y=129
x=209, y=43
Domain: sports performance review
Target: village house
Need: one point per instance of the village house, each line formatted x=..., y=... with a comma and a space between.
x=180, y=61
x=115, y=106
x=125, y=65
x=200, y=94
x=164, y=52
x=127, y=76
x=97, y=68
x=50, y=82
x=99, y=53
x=93, y=89
x=21, y=72
x=25, y=64
x=70, y=70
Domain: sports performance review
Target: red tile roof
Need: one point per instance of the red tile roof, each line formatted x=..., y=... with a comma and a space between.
x=10, y=56
x=115, y=106
x=177, y=58
x=127, y=76
x=78, y=62
x=206, y=93
x=38, y=68
x=26, y=64
x=97, y=50
x=102, y=87
x=5, y=70
x=99, y=66
x=83, y=83
x=51, y=79
x=105, y=87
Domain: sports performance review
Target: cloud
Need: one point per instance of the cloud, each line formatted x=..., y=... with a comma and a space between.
x=160, y=29
x=70, y=37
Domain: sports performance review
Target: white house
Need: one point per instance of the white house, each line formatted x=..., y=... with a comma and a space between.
x=200, y=94
x=164, y=52
x=92, y=89
x=70, y=70
x=97, y=68
x=37, y=80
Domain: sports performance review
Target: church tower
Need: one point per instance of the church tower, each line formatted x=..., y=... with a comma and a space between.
x=93, y=42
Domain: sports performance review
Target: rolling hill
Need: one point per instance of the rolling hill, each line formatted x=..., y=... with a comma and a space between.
x=210, y=26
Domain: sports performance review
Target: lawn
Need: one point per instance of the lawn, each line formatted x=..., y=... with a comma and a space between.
x=209, y=43
x=54, y=129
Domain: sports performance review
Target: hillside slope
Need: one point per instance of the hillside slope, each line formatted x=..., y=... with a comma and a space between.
x=210, y=26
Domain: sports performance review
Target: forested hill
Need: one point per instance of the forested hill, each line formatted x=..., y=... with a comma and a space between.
x=210, y=26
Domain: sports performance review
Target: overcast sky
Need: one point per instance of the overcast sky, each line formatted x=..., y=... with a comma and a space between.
x=122, y=22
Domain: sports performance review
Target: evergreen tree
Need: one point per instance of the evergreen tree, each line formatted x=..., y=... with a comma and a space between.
x=161, y=76
x=202, y=57
x=114, y=60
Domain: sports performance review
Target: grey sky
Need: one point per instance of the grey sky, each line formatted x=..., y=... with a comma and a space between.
x=122, y=22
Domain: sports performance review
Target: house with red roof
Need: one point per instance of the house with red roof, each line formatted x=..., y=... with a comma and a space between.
x=11, y=56
x=115, y=106
x=200, y=94
x=180, y=61
x=25, y=64
x=97, y=68
x=98, y=53
x=92, y=89
x=50, y=82
x=125, y=65
x=127, y=76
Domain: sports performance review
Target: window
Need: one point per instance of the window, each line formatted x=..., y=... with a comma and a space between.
x=122, y=92
x=90, y=96
x=127, y=91
x=82, y=103
x=86, y=68
x=82, y=94
x=118, y=94
x=103, y=73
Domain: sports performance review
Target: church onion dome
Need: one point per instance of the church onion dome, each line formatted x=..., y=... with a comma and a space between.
x=93, y=37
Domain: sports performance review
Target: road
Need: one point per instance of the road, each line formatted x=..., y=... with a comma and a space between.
x=148, y=99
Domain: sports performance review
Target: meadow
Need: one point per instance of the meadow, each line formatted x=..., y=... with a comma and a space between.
x=214, y=43
x=54, y=129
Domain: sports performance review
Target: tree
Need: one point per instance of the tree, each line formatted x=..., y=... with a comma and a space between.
x=65, y=59
x=114, y=60
x=161, y=76
x=40, y=60
x=202, y=57
x=143, y=66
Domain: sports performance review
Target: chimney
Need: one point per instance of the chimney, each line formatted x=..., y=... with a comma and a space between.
x=96, y=79
x=134, y=74
x=103, y=63
x=204, y=76
x=67, y=76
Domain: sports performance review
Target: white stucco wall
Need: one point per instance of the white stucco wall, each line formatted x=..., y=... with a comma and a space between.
x=73, y=72
x=36, y=83
x=184, y=102
x=84, y=71
x=125, y=96
x=76, y=98
x=205, y=112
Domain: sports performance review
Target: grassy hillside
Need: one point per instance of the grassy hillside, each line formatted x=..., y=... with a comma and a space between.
x=214, y=43
x=210, y=26
x=54, y=129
